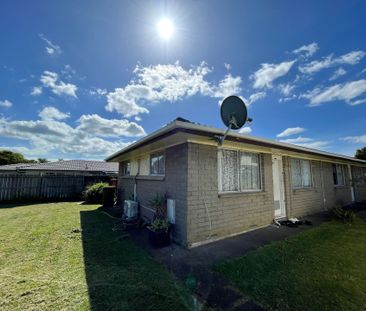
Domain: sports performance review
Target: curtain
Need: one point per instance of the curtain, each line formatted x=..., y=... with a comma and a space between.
x=340, y=175
x=296, y=173
x=229, y=170
x=305, y=173
x=249, y=171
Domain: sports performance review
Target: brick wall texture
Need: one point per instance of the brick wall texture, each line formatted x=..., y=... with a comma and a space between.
x=174, y=185
x=191, y=178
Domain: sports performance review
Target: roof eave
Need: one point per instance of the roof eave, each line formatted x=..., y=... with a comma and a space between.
x=185, y=125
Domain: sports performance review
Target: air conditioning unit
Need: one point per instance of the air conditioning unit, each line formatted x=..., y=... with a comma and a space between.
x=130, y=210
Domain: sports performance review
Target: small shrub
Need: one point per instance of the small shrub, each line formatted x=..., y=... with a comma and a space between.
x=93, y=194
x=347, y=216
x=158, y=203
x=159, y=224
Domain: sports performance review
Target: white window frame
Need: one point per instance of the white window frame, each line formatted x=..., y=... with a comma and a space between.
x=311, y=174
x=219, y=157
x=154, y=155
x=343, y=175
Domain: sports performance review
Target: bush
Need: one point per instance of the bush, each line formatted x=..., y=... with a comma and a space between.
x=94, y=193
x=347, y=216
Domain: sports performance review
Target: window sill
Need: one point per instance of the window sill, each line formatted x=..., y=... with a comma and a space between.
x=305, y=189
x=144, y=177
x=238, y=193
x=340, y=187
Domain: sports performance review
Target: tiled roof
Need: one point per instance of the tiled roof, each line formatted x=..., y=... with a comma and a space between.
x=69, y=165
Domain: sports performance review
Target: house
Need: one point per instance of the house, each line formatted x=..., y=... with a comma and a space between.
x=220, y=191
x=69, y=167
x=53, y=180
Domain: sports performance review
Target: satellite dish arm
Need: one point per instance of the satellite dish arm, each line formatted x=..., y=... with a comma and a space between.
x=232, y=123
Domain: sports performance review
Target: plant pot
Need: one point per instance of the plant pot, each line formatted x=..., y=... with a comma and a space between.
x=159, y=238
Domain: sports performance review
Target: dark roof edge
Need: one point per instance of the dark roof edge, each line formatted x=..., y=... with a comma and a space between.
x=192, y=128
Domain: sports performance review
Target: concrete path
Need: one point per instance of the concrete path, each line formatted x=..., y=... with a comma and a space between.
x=194, y=266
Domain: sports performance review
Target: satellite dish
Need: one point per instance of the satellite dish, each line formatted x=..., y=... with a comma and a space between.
x=234, y=113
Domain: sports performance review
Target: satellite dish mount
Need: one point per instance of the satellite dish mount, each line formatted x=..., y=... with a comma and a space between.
x=234, y=114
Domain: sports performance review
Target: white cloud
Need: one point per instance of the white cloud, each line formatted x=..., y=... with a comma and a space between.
x=355, y=139
x=37, y=90
x=245, y=130
x=256, y=96
x=52, y=113
x=98, y=92
x=343, y=92
x=168, y=83
x=307, y=50
x=265, y=76
x=286, y=89
x=351, y=58
x=87, y=140
x=6, y=103
x=296, y=140
x=51, y=80
x=51, y=48
x=227, y=66
x=307, y=142
x=358, y=102
x=291, y=131
x=228, y=86
x=109, y=127
x=138, y=119
x=338, y=73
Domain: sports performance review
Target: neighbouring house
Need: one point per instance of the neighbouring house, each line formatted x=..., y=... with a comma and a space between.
x=244, y=184
x=53, y=180
x=67, y=167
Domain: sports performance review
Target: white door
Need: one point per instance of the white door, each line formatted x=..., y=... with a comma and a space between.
x=278, y=187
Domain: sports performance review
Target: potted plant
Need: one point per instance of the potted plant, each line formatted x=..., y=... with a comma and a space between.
x=159, y=229
x=159, y=233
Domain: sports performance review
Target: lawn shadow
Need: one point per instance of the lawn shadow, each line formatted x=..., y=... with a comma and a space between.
x=120, y=275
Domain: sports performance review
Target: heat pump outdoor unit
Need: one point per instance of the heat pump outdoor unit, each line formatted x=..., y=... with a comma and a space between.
x=130, y=210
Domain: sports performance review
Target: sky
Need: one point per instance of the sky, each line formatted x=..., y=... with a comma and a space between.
x=83, y=79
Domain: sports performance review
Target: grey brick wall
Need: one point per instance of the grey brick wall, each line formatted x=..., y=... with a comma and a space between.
x=174, y=184
x=301, y=202
x=213, y=216
x=202, y=213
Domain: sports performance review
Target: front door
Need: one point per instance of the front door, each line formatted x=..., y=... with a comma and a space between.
x=278, y=187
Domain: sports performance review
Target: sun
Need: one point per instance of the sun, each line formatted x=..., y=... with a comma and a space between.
x=165, y=28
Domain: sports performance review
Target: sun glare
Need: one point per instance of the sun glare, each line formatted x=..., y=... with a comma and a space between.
x=165, y=28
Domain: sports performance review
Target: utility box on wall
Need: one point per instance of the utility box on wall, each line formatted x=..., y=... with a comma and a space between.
x=170, y=208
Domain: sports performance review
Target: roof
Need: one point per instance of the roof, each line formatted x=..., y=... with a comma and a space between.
x=69, y=165
x=183, y=125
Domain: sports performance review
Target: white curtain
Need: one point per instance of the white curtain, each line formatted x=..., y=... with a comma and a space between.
x=229, y=170
x=300, y=173
x=296, y=173
x=305, y=173
x=249, y=171
x=340, y=174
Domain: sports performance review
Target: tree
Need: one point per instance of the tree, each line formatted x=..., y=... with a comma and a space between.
x=42, y=160
x=9, y=157
x=361, y=154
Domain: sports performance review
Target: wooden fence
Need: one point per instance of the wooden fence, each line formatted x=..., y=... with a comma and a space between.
x=15, y=187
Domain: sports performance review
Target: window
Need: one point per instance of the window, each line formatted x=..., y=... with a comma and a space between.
x=157, y=164
x=357, y=175
x=125, y=168
x=301, y=173
x=239, y=171
x=338, y=175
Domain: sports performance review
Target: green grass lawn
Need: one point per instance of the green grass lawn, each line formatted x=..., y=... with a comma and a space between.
x=320, y=269
x=45, y=264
